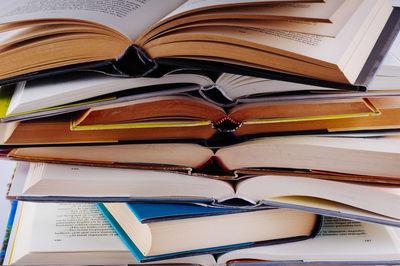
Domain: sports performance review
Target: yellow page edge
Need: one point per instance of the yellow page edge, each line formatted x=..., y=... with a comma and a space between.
x=16, y=232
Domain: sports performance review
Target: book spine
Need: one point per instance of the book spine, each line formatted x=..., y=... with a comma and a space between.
x=382, y=45
x=216, y=95
x=121, y=233
x=8, y=231
x=135, y=62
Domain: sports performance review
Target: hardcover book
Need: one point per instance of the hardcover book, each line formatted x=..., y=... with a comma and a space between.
x=227, y=230
x=74, y=91
x=328, y=157
x=173, y=34
x=182, y=117
x=48, y=182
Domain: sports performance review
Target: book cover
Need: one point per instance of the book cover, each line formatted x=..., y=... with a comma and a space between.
x=153, y=212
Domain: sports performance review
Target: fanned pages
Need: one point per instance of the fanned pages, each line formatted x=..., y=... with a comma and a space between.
x=374, y=202
x=354, y=158
x=181, y=29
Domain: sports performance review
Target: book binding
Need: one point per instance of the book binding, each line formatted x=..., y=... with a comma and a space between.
x=134, y=62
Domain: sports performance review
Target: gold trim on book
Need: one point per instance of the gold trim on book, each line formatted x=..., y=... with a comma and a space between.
x=374, y=112
x=73, y=126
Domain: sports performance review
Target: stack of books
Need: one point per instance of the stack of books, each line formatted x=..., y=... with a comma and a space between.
x=201, y=132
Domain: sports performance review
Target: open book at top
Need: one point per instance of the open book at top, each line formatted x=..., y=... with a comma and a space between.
x=329, y=40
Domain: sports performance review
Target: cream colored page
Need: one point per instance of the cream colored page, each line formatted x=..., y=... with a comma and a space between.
x=311, y=46
x=325, y=51
x=191, y=5
x=237, y=86
x=130, y=17
x=119, y=182
x=339, y=240
x=324, y=11
x=72, y=227
x=20, y=236
x=64, y=89
x=323, y=29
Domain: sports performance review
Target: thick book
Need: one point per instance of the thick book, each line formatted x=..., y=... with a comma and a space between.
x=182, y=117
x=326, y=157
x=343, y=45
x=226, y=231
x=48, y=182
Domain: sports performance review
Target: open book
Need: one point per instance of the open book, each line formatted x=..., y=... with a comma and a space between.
x=53, y=241
x=340, y=242
x=329, y=40
x=73, y=232
x=183, y=117
x=374, y=202
x=81, y=90
x=340, y=158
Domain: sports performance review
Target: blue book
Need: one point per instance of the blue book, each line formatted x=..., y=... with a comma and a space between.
x=158, y=231
x=8, y=231
x=147, y=212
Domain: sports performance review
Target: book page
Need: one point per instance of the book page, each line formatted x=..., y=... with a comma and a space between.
x=60, y=180
x=191, y=5
x=68, y=88
x=338, y=240
x=298, y=53
x=72, y=227
x=119, y=15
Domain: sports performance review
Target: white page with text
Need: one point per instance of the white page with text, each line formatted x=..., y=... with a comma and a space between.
x=130, y=18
